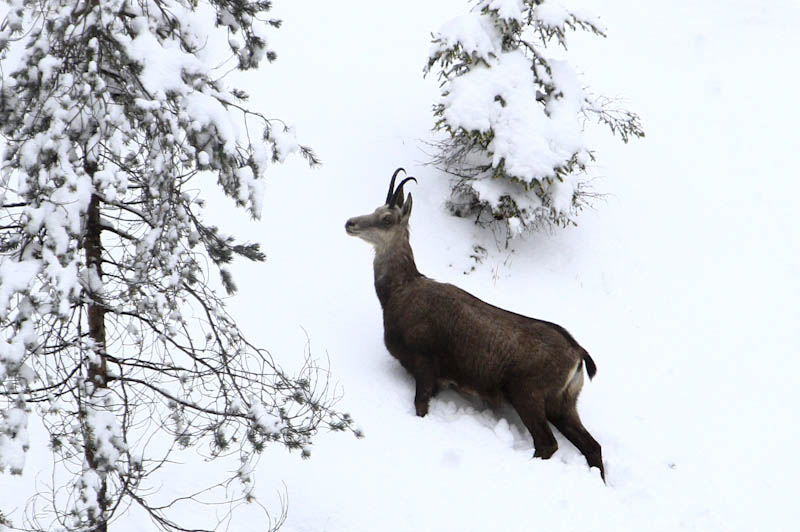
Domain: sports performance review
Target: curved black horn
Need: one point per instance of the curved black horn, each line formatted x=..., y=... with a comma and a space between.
x=397, y=198
x=391, y=185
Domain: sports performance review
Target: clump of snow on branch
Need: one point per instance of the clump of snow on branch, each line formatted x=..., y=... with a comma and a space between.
x=105, y=433
x=514, y=116
x=13, y=439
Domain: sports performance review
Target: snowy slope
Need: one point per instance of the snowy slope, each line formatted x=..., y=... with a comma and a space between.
x=682, y=284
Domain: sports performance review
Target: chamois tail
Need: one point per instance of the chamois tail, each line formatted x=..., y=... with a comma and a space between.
x=591, y=368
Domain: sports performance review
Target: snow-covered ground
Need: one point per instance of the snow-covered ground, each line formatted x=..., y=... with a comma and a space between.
x=682, y=284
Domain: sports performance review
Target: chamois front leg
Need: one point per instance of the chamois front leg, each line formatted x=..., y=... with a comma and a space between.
x=424, y=372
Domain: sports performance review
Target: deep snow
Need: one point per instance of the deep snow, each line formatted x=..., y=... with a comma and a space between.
x=682, y=283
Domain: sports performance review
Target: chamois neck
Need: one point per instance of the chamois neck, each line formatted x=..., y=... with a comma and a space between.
x=394, y=266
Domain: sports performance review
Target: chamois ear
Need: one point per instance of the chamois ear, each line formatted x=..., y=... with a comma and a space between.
x=405, y=212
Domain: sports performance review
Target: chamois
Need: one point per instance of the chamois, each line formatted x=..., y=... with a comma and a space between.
x=444, y=335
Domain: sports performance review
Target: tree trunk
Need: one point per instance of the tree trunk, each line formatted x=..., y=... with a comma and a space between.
x=96, y=309
x=97, y=371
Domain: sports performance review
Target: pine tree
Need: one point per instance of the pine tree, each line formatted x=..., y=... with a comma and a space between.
x=113, y=332
x=513, y=116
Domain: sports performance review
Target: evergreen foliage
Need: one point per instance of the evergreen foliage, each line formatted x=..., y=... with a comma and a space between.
x=112, y=330
x=513, y=116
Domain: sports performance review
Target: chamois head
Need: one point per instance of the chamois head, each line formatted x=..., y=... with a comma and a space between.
x=387, y=223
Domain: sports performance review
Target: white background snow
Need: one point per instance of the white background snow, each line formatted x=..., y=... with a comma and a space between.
x=682, y=284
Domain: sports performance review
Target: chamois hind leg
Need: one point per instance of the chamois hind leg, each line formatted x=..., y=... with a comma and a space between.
x=569, y=424
x=563, y=414
x=531, y=408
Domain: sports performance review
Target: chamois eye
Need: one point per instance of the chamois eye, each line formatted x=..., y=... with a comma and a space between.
x=386, y=220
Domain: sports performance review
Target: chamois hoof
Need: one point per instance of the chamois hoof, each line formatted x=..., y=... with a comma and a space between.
x=545, y=453
x=602, y=473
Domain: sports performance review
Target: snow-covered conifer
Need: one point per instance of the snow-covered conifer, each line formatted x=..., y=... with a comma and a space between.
x=111, y=329
x=514, y=115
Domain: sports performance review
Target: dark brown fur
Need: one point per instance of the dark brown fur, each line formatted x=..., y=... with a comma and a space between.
x=441, y=333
